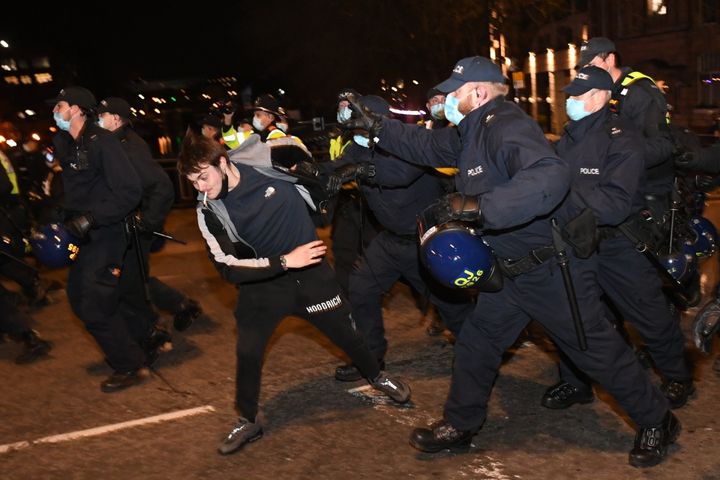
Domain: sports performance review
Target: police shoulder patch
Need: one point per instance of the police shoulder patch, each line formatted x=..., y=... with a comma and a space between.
x=615, y=131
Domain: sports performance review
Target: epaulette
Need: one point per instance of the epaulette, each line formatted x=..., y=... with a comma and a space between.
x=489, y=118
x=614, y=127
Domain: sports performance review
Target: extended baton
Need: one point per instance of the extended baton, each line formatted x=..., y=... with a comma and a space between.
x=561, y=255
x=170, y=237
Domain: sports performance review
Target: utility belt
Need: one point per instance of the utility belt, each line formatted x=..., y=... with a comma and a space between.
x=407, y=237
x=512, y=268
x=606, y=233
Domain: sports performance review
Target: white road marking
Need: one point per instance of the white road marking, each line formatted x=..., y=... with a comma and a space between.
x=92, y=432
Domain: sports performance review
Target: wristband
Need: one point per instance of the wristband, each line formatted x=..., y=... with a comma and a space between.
x=283, y=262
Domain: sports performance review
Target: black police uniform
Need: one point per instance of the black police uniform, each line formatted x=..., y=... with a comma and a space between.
x=505, y=160
x=158, y=196
x=395, y=196
x=606, y=155
x=643, y=105
x=99, y=179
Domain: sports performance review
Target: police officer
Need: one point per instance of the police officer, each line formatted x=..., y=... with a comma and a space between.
x=435, y=103
x=637, y=99
x=606, y=154
x=395, y=192
x=267, y=111
x=101, y=189
x=158, y=196
x=512, y=181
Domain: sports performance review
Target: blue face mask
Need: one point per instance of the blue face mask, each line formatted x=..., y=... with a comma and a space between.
x=362, y=141
x=576, y=109
x=344, y=114
x=438, y=111
x=60, y=122
x=451, y=110
x=101, y=122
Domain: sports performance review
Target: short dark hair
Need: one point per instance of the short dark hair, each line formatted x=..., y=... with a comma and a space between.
x=198, y=151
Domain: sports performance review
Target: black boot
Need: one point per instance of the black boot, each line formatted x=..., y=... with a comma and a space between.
x=189, y=312
x=350, y=373
x=122, y=380
x=564, y=395
x=158, y=341
x=35, y=347
x=440, y=436
x=651, y=443
x=677, y=392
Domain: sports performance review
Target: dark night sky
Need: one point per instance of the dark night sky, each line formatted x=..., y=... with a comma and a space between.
x=310, y=48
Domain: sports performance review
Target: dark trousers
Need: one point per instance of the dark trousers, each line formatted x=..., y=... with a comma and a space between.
x=12, y=320
x=352, y=231
x=165, y=297
x=387, y=259
x=134, y=304
x=94, y=295
x=499, y=318
x=634, y=286
x=312, y=294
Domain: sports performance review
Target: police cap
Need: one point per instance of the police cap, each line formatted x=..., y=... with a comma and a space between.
x=588, y=78
x=375, y=104
x=270, y=104
x=471, y=69
x=116, y=106
x=594, y=47
x=80, y=96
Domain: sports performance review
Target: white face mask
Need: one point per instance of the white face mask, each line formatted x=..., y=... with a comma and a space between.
x=257, y=124
x=101, y=123
x=282, y=126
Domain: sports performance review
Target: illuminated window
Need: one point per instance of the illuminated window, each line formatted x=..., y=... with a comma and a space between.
x=657, y=7
x=26, y=79
x=13, y=80
x=43, y=77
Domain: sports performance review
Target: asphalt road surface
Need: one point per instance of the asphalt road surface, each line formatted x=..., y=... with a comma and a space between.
x=57, y=424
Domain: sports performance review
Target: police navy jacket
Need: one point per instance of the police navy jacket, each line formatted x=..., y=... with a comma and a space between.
x=259, y=220
x=398, y=191
x=605, y=154
x=643, y=104
x=502, y=156
x=97, y=175
x=158, y=193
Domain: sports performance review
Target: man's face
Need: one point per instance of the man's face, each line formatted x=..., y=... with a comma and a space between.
x=593, y=99
x=467, y=96
x=263, y=119
x=208, y=180
x=110, y=121
x=435, y=100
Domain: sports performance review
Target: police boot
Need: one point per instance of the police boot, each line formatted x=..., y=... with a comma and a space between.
x=705, y=326
x=189, y=312
x=122, y=380
x=677, y=392
x=564, y=395
x=651, y=443
x=158, y=341
x=435, y=328
x=37, y=292
x=34, y=347
x=394, y=388
x=440, y=436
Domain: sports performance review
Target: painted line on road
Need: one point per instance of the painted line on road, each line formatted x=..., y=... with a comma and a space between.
x=92, y=432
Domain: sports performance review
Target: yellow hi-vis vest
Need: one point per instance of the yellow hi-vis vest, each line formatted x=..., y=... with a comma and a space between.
x=10, y=173
x=630, y=78
x=233, y=138
x=337, y=147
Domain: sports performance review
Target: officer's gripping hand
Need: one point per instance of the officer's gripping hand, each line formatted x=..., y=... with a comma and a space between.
x=463, y=208
x=364, y=171
x=306, y=169
x=705, y=183
x=363, y=119
x=79, y=225
x=687, y=160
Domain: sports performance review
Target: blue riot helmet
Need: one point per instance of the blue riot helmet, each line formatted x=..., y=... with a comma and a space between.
x=456, y=255
x=681, y=264
x=54, y=246
x=706, y=236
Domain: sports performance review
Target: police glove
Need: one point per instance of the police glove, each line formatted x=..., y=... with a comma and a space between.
x=79, y=225
x=705, y=183
x=687, y=160
x=363, y=118
x=347, y=173
x=463, y=208
x=307, y=169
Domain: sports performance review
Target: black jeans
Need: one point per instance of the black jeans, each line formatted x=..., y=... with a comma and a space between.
x=312, y=294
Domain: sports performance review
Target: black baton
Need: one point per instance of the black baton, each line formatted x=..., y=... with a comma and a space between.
x=139, y=256
x=169, y=237
x=561, y=255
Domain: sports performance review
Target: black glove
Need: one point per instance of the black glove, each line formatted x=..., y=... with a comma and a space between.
x=705, y=183
x=687, y=160
x=347, y=173
x=79, y=225
x=307, y=169
x=363, y=119
x=459, y=207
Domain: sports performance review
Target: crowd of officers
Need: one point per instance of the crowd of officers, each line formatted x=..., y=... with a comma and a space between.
x=479, y=159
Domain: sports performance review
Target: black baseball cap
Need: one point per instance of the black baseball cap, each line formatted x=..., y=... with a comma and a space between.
x=588, y=78
x=116, y=106
x=593, y=47
x=80, y=96
x=471, y=69
x=211, y=120
x=432, y=92
x=375, y=104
